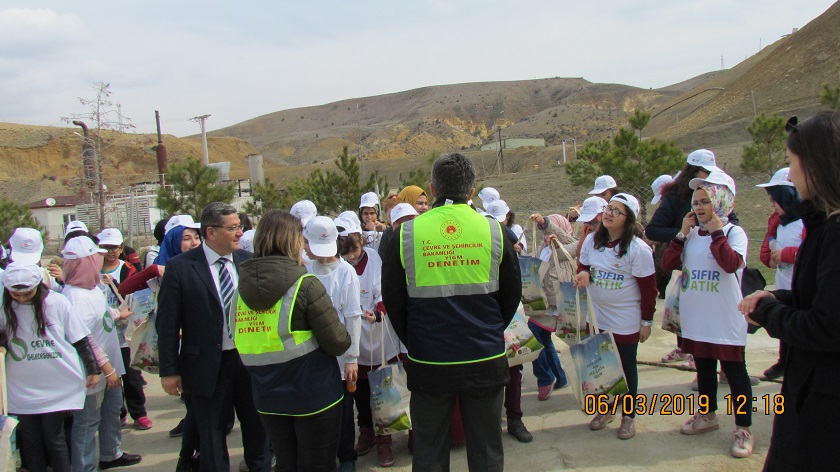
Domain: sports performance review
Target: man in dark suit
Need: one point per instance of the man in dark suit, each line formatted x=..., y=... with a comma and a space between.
x=197, y=355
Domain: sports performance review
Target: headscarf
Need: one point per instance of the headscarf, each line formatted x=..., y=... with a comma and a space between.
x=84, y=272
x=723, y=200
x=561, y=222
x=171, y=245
x=410, y=194
x=786, y=197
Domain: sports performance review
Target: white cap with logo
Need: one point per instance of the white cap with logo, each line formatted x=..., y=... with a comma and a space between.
x=181, y=220
x=304, y=210
x=350, y=216
x=22, y=277
x=631, y=202
x=75, y=225
x=779, y=178
x=591, y=207
x=602, y=184
x=718, y=178
x=498, y=209
x=657, y=186
x=27, y=246
x=322, y=235
x=401, y=210
x=110, y=237
x=345, y=226
x=705, y=159
x=80, y=247
x=488, y=195
x=369, y=199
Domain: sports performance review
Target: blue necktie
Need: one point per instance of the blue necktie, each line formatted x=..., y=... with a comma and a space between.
x=225, y=290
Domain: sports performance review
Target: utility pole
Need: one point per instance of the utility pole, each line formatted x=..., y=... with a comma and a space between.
x=501, y=153
x=201, y=119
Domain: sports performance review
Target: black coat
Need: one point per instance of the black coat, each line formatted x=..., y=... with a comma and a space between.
x=189, y=321
x=807, y=319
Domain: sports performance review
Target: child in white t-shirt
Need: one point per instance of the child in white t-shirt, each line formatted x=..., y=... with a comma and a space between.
x=712, y=253
x=44, y=341
x=617, y=266
x=342, y=284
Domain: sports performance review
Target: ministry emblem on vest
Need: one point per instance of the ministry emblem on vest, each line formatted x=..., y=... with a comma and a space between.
x=450, y=230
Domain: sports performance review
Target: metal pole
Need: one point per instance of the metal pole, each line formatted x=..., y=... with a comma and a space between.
x=501, y=153
x=201, y=119
x=564, y=151
x=130, y=215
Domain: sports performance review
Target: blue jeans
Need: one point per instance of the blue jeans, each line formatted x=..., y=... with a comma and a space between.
x=102, y=413
x=547, y=367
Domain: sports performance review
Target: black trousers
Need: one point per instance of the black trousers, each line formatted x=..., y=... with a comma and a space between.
x=44, y=432
x=627, y=354
x=233, y=387
x=305, y=443
x=739, y=384
x=135, y=398
x=346, y=445
x=481, y=411
x=805, y=435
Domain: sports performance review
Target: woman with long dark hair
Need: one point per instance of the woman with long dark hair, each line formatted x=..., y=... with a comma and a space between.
x=806, y=316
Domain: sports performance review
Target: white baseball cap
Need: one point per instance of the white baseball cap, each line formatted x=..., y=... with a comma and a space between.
x=246, y=241
x=304, y=210
x=80, y=247
x=369, y=199
x=657, y=185
x=488, y=195
x=498, y=209
x=779, y=178
x=401, y=210
x=322, y=234
x=75, y=225
x=705, y=159
x=591, y=207
x=345, y=226
x=350, y=216
x=181, y=220
x=21, y=277
x=719, y=178
x=110, y=237
x=631, y=202
x=603, y=183
x=27, y=246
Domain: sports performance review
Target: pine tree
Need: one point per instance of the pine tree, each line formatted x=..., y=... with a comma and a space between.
x=766, y=154
x=192, y=185
x=14, y=215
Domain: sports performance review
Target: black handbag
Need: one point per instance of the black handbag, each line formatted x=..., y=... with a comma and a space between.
x=751, y=281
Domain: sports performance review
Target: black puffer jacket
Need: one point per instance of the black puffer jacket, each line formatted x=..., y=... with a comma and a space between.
x=309, y=383
x=666, y=221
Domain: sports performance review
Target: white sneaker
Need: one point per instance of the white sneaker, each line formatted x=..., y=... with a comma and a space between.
x=743, y=444
x=600, y=421
x=700, y=424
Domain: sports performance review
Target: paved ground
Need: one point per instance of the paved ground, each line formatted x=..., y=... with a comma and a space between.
x=562, y=440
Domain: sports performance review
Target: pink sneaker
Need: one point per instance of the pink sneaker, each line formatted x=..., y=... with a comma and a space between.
x=544, y=392
x=743, y=444
x=700, y=424
x=675, y=356
x=143, y=423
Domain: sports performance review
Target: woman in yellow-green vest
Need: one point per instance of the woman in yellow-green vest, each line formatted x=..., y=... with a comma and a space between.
x=288, y=335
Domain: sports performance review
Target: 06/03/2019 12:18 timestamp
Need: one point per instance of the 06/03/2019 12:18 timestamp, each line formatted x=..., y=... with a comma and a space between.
x=677, y=404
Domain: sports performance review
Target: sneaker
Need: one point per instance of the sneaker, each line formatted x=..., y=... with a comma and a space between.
x=743, y=444
x=600, y=422
x=365, y=442
x=700, y=424
x=693, y=385
x=774, y=372
x=544, y=392
x=690, y=363
x=675, y=356
x=627, y=429
x=383, y=451
x=517, y=429
x=177, y=431
x=143, y=423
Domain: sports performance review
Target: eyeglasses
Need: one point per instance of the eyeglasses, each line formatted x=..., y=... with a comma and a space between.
x=699, y=203
x=230, y=229
x=613, y=211
x=111, y=248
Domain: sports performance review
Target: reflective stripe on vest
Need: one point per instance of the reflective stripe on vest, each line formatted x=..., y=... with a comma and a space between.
x=450, y=257
x=265, y=337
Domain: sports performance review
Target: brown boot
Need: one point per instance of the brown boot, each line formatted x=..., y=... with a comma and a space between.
x=365, y=442
x=383, y=450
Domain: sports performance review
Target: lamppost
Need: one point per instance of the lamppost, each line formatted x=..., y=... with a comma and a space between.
x=574, y=141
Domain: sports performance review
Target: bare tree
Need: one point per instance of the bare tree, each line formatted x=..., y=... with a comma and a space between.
x=105, y=116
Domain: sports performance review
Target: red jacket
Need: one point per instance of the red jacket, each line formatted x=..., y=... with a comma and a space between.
x=788, y=253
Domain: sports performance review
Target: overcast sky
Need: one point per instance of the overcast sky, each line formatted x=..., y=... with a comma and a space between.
x=240, y=60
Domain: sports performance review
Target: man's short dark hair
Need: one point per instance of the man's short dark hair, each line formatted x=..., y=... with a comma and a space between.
x=453, y=176
x=214, y=214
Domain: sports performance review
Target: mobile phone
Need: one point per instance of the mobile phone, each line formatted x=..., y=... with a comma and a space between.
x=378, y=316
